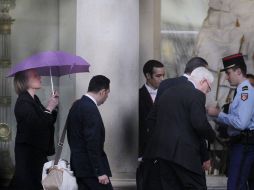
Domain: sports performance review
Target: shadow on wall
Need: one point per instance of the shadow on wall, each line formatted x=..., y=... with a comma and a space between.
x=130, y=134
x=123, y=153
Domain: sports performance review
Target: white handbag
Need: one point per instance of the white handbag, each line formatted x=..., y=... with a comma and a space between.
x=56, y=174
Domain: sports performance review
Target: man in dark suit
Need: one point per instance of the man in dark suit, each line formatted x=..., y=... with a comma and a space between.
x=169, y=83
x=192, y=64
x=86, y=136
x=154, y=73
x=180, y=125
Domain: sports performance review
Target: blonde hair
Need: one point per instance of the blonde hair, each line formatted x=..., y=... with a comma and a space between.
x=20, y=82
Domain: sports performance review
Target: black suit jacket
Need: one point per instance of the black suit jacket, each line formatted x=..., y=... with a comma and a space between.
x=34, y=126
x=181, y=123
x=145, y=106
x=165, y=85
x=169, y=83
x=86, y=137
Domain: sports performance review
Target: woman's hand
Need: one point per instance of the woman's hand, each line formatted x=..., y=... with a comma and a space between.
x=53, y=101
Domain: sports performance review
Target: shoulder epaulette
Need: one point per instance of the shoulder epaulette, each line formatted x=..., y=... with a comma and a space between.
x=244, y=88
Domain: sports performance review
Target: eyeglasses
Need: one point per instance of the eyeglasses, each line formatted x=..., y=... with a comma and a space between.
x=209, y=87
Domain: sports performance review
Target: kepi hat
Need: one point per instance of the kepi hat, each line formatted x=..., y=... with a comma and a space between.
x=232, y=61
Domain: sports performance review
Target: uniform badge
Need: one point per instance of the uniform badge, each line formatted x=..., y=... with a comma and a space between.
x=244, y=96
x=245, y=88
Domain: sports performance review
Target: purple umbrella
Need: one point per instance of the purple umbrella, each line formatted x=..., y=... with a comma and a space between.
x=52, y=63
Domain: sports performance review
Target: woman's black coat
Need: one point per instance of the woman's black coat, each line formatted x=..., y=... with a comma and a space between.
x=35, y=127
x=34, y=142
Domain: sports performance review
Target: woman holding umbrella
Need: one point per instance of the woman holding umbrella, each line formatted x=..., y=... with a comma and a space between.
x=35, y=131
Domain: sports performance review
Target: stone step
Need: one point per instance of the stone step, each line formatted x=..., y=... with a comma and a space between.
x=213, y=183
x=134, y=188
x=216, y=182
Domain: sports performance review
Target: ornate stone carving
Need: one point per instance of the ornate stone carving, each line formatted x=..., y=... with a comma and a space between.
x=228, y=29
x=5, y=100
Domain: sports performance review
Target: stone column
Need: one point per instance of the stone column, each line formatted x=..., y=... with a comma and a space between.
x=150, y=36
x=67, y=84
x=35, y=30
x=106, y=34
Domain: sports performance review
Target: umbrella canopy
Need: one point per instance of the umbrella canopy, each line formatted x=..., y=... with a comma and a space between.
x=52, y=63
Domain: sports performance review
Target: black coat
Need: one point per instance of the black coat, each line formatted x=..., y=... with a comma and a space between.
x=34, y=142
x=169, y=83
x=86, y=137
x=150, y=123
x=145, y=106
x=34, y=126
x=181, y=123
x=164, y=85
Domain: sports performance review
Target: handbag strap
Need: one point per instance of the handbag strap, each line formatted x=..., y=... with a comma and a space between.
x=60, y=145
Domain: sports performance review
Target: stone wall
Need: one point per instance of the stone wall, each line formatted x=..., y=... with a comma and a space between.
x=227, y=29
x=108, y=38
x=35, y=29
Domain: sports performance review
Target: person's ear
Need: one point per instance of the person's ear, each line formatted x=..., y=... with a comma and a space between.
x=202, y=81
x=238, y=71
x=100, y=92
x=148, y=76
x=103, y=92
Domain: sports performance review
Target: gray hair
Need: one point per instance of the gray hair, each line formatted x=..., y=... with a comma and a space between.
x=201, y=73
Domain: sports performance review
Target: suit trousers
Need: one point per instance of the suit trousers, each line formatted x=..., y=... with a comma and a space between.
x=166, y=175
x=92, y=184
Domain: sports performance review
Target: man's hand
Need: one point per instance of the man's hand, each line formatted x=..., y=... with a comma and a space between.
x=206, y=165
x=213, y=111
x=103, y=179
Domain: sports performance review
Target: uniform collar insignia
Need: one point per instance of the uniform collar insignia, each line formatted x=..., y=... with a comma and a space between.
x=244, y=88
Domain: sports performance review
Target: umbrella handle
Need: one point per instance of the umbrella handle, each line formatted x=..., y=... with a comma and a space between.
x=51, y=80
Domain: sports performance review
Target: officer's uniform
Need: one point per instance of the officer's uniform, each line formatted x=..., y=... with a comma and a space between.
x=241, y=130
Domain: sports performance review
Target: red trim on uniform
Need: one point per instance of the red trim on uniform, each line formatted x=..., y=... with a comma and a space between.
x=232, y=57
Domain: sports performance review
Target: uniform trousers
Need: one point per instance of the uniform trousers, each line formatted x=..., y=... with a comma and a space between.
x=241, y=159
x=251, y=178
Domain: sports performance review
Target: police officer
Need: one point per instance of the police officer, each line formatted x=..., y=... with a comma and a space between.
x=250, y=77
x=240, y=121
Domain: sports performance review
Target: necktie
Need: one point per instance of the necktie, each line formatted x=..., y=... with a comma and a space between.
x=235, y=93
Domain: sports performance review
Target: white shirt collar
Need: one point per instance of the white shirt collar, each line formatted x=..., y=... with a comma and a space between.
x=150, y=89
x=192, y=83
x=152, y=92
x=91, y=98
x=187, y=76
